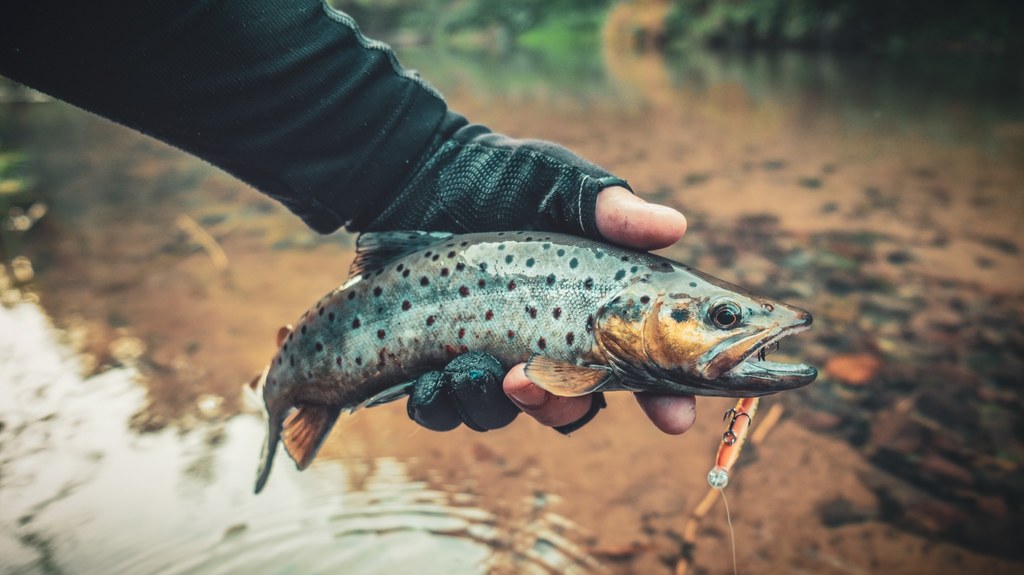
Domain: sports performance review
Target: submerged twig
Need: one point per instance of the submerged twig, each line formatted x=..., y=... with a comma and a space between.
x=206, y=241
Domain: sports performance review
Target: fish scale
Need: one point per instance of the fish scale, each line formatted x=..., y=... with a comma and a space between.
x=583, y=315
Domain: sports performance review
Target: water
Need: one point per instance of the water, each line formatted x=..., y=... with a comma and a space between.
x=883, y=196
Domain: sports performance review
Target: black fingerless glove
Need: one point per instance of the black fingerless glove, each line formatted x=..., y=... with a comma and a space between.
x=475, y=180
x=468, y=390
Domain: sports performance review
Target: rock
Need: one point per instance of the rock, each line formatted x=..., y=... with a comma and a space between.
x=854, y=369
x=945, y=469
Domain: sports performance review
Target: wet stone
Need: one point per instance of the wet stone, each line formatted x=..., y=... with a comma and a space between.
x=854, y=369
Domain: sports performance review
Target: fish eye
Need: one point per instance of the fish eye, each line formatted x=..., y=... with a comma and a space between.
x=726, y=315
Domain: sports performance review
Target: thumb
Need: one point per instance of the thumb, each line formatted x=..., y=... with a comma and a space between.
x=626, y=219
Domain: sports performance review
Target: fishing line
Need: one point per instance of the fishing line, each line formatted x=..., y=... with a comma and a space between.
x=732, y=532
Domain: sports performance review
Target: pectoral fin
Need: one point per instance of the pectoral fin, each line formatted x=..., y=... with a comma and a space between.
x=305, y=430
x=565, y=379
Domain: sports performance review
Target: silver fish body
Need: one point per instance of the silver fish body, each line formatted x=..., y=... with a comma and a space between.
x=586, y=316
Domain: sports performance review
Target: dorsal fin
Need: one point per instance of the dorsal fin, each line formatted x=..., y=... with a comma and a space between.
x=565, y=379
x=374, y=249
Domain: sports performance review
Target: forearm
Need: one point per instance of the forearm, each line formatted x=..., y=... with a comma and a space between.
x=278, y=92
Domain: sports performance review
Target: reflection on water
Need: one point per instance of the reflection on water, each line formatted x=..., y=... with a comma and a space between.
x=882, y=195
x=83, y=494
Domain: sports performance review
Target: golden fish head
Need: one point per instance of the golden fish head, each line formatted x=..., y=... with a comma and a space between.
x=685, y=332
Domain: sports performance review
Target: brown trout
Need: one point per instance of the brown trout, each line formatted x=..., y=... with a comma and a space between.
x=584, y=315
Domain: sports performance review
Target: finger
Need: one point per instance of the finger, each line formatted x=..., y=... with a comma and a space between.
x=546, y=408
x=626, y=219
x=672, y=414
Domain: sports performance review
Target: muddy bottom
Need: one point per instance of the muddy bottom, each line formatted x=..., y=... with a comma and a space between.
x=131, y=445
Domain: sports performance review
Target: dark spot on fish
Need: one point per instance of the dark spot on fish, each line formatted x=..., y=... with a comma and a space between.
x=529, y=238
x=464, y=244
x=557, y=312
x=450, y=349
x=546, y=246
x=645, y=299
x=599, y=254
x=633, y=269
x=588, y=283
x=573, y=263
x=405, y=274
x=560, y=253
x=666, y=265
x=379, y=271
x=625, y=258
x=462, y=332
x=693, y=284
x=330, y=316
x=337, y=360
x=400, y=267
x=321, y=312
x=377, y=291
x=530, y=262
x=511, y=334
x=590, y=323
x=511, y=285
x=483, y=266
x=445, y=272
x=280, y=360
x=380, y=334
x=451, y=255
x=501, y=233
x=679, y=315
x=427, y=254
x=359, y=361
x=431, y=320
x=435, y=258
x=501, y=247
x=291, y=334
x=481, y=283
x=541, y=343
x=551, y=279
x=463, y=291
x=406, y=305
x=569, y=338
x=424, y=281
x=508, y=259
x=303, y=330
x=620, y=274
x=356, y=323
x=532, y=311
x=460, y=266
x=291, y=361
x=319, y=346
x=489, y=315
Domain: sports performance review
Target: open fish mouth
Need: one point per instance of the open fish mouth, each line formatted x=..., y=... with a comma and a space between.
x=760, y=375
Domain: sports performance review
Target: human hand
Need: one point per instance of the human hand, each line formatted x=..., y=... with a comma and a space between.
x=624, y=219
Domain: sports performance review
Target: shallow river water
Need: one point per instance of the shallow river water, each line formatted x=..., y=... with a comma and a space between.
x=885, y=196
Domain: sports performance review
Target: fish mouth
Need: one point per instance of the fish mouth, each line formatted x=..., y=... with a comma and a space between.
x=743, y=369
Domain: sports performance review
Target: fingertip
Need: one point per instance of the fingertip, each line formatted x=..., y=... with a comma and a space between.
x=521, y=390
x=629, y=220
x=671, y=414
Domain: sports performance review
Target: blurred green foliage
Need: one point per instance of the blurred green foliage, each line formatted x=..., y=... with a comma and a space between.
x=879, y=25
x=874, y=25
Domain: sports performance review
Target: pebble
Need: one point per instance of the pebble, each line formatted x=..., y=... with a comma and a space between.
x=854, y=369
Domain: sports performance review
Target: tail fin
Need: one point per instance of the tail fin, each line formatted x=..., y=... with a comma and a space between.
x=267, y=454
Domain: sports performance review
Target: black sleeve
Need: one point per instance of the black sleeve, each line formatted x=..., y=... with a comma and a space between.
x=290, y=97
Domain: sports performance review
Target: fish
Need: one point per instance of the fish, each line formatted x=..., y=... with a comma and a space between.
x=585, y=316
